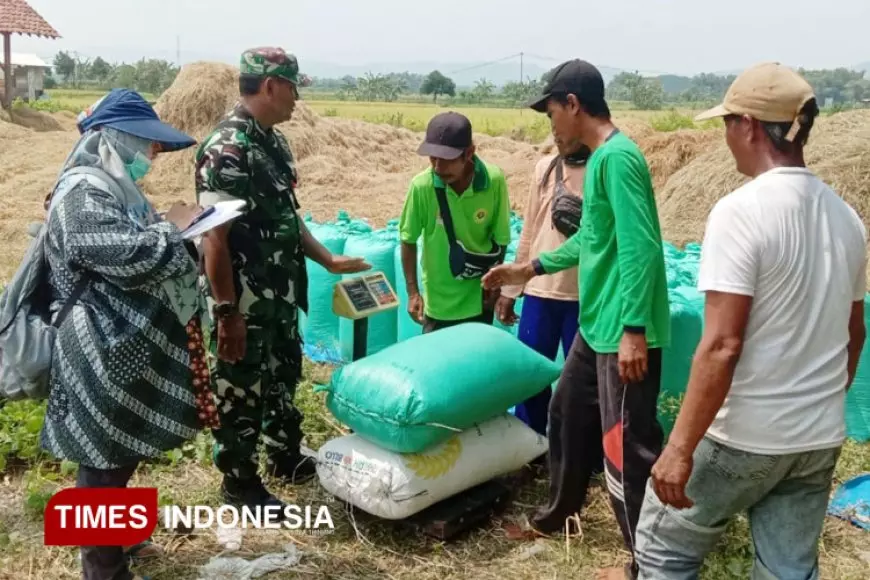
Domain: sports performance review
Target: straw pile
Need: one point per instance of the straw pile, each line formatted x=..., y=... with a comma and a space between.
x=29, y=162
x=201, y=94
x=365, y=169
x=36, y=120
x=838, y=151
x=343, y=164
x=667, y=153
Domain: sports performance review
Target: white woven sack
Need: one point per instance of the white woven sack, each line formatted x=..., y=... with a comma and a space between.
x=395, y=486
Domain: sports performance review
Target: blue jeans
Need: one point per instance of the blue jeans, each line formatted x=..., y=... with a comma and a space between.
x=544, y=323
x=786, y=497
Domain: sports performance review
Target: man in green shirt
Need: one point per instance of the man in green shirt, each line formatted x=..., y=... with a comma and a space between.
x=610, y=383
x=460, y=197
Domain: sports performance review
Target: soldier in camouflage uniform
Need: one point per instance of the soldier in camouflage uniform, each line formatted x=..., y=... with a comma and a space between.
x=256, y=275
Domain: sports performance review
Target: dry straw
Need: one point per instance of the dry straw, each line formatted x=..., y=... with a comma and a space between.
x=344, y=164
x=838, y=151
x=365, y=169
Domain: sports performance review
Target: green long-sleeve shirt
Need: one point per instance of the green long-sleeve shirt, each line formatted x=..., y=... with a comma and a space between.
x=623, y=285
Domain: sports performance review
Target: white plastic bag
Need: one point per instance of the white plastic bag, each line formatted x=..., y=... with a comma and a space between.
x=395, y=485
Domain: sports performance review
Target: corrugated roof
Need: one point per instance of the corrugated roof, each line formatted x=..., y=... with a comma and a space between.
x=21, y=59
x=17, y=17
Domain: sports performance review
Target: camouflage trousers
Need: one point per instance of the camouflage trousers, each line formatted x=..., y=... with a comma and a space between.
x=254, y=399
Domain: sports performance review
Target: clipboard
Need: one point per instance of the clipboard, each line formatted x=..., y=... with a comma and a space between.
x=222, y=212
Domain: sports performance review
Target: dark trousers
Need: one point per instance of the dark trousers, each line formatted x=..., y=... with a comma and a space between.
x=591, y=412
x=431, y=325
x=104, y=562
x=255, y=402
x=544, y=324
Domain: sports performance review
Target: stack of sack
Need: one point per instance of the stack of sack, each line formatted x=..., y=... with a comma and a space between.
x=329, y=339
x=430, y=420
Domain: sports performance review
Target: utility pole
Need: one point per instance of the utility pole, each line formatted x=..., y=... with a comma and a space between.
x=521, y=68
x=521, y=79
x=178, y=50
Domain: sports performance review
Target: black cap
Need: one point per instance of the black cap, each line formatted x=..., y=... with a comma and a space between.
x=576, y=77
x=447, y=136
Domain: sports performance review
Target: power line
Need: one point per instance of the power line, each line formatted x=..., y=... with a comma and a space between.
x=485, y=64
x=547, y=58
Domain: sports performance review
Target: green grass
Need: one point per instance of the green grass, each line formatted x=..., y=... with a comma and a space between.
x=361, y=547
x=675, y=120
x=74, y=100
x=414, y=113
x=519, y=123
x=522, y=124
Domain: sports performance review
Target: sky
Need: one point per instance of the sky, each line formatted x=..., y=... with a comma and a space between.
x=656, y=36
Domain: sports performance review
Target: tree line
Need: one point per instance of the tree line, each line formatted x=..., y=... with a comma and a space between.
x=146, y=76
x=837, y=87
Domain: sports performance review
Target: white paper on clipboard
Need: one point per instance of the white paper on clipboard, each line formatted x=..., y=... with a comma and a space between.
x=224, y=211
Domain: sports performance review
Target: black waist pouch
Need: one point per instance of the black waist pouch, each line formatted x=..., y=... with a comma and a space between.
x=464, y=264
x=567, y=209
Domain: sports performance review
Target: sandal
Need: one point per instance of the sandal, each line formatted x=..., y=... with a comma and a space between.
x=518, y=532
x=143, y=551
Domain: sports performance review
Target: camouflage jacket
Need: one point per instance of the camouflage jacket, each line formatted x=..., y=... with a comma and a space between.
x=242, y=160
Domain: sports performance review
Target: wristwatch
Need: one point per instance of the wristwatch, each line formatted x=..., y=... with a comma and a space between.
x=224, y=310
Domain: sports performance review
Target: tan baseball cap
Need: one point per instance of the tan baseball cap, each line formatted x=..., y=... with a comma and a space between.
x=768, y=92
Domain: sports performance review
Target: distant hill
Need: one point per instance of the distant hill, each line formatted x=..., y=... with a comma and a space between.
x=463, y=74
x=864, y=66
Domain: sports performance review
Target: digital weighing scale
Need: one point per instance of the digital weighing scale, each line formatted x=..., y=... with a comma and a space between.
x=357, y=299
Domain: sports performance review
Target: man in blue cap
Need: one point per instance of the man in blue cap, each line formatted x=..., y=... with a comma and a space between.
x=125, y=285
x=257, y=278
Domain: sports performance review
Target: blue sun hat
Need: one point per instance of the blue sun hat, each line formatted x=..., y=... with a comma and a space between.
x=126, y=111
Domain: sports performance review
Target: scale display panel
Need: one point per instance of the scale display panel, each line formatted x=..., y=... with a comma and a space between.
x=364, y=296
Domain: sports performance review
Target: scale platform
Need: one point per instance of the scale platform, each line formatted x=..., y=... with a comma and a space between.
x=367, y=295
x=462, y=512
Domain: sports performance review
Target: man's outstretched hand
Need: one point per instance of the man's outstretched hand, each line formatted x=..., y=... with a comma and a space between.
x=504, y=310
x=347, y=265
x=508, y=275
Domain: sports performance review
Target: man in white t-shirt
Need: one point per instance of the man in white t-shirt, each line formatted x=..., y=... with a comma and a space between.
x=783, y=267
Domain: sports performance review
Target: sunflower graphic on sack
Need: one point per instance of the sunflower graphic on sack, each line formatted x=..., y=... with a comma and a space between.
x=436, y=464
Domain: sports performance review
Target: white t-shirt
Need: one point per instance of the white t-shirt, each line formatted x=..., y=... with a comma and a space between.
x=790, y=242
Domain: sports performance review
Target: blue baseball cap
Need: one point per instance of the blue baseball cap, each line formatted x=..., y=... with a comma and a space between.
x=126, y=111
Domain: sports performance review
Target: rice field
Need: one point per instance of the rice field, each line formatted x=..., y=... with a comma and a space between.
x=518, y=123
x=77, y=100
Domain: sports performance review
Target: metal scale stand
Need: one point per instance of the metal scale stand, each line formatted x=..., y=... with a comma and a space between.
x=357, y=299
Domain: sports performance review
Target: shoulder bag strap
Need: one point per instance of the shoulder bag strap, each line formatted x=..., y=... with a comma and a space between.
x=84, y=281
x=74, y=297
x=559, y=176
x=444, y=208
x=546, y=177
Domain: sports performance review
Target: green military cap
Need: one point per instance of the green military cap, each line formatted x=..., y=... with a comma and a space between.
x=274, y=62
